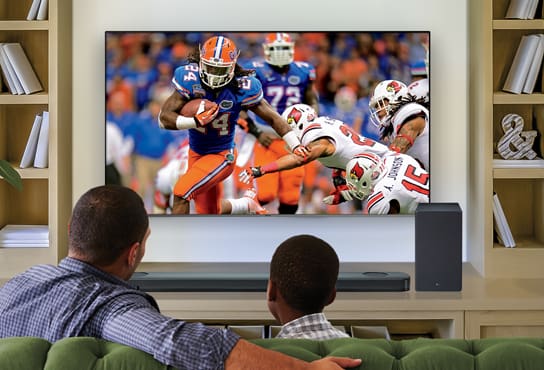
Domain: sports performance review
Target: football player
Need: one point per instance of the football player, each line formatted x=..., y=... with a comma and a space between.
x=285, y=82
x=402, y=119
x=213, y=74
x=329, y=141
x=393, y=184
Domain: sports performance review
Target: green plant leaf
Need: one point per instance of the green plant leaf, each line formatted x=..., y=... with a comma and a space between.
x=10, y=175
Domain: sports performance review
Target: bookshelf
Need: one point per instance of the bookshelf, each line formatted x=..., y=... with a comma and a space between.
x=494, y=41
x=46, y=195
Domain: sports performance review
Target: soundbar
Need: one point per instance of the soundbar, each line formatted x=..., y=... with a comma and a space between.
x=257, y=282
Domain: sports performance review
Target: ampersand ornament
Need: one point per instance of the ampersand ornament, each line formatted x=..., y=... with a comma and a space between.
x=516, y=143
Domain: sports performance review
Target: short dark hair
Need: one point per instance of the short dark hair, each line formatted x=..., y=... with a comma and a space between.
x=305, y=269
x=105, y=221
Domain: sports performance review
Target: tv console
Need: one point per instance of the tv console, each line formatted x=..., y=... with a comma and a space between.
x=256, y=282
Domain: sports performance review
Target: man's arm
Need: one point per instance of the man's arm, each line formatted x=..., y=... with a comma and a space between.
x=311, y=98
x=407, y=134
x=249, y=356
x=264, y=110
x=169, y=117
x=319, y=148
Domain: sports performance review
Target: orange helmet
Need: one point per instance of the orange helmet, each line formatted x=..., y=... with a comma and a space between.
x=218, y=58
x=279, y=49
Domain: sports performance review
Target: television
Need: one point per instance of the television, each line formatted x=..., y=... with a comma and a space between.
x=336, y=72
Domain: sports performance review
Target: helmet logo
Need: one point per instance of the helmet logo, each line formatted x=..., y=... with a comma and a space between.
x=294, y=116
x=356, y=172
x=393, y=87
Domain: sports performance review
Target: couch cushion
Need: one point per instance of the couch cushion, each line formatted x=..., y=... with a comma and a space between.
x=23, y=353
x=95, y=354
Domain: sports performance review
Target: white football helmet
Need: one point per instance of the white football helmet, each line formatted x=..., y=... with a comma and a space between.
x=362, y=174
x=385, y=93
x=279, y=49
x=218, y=58
x=298, y=116
x=420, y=89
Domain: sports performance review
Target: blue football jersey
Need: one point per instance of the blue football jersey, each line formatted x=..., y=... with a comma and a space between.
x=217, y=135
x=283, y=90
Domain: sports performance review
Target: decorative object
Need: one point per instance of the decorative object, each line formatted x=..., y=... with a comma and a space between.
x=516, y=143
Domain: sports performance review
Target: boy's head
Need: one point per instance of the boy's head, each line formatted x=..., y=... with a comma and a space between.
x=303, y=274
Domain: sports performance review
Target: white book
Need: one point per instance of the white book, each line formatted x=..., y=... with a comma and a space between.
x=30, y=150
x=33, y=11
x=515, y=80
x=518, y=9
x=500, y=219
x=534, y=69
x=42, y=11
x=24, y=232
x=6, y=75
x=531, y=9
x=17, y=87
x=42, y=149
x=22, y=67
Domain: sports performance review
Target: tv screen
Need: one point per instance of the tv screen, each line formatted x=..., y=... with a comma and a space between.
x=358, y=102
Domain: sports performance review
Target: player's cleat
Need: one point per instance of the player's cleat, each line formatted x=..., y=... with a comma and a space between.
x=253, y=203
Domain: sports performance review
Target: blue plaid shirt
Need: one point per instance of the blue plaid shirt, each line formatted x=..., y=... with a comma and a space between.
x=76, y=299
x=313, y=326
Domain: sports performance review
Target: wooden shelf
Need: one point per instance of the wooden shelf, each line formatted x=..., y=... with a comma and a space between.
x=23, y=25
x=500, y=97
x=518, y=24
x=518, y=173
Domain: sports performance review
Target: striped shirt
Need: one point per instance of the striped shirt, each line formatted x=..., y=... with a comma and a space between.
x=76, y=299
x=314, y=326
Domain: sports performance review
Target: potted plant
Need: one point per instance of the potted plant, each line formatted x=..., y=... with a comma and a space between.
x=10, y=175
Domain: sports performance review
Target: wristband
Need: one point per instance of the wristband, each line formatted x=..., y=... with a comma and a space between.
x=183, y=123
x=291, y=139
x=408, y=138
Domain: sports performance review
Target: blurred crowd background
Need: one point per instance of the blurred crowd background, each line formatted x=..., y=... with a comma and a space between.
x=140, y=65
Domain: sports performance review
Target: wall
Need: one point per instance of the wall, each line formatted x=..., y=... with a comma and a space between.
x=356, y=239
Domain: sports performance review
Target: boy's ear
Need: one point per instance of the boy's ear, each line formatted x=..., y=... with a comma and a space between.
x=271, y=291
x=332, y=297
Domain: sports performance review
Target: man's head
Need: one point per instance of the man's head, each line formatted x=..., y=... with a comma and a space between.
x=279, y=49
x=218, y=58
x=108, y=222
x=303, y=274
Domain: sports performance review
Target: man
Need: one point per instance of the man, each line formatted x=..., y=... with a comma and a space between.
x=329, y=141
x=402, y=119
x=303, y=274
x=285, y=82
x=213, y=74
x=87, y=294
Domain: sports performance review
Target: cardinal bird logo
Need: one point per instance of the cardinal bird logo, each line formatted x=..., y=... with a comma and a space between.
x=393, y=86
x=294, y=116
x=356, y=172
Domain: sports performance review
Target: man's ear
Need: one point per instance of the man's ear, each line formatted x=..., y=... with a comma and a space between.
x=133, y=254
x=271, y=291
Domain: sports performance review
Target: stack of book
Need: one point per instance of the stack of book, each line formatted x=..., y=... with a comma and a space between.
x=18, y=74
x=501, y=224
x=526, y=65
x=37, y=11
x=36, y=152
x=21, y=236
x=521, y=9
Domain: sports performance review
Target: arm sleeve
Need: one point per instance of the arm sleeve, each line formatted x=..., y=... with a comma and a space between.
x=173, y=342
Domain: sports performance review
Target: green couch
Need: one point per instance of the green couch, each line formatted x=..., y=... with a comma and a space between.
x=377, y=354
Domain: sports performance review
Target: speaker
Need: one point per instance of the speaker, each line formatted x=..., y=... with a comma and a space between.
x=438, y=259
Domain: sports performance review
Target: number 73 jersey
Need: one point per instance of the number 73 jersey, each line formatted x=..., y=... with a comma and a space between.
x=405, y=181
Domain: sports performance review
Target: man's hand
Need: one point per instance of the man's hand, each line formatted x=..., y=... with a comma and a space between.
x=329, y=363
x=337, y=197
x=265, y=139
x=340, y=185
x=247, y=175
x=203, y=117
x=301, y=151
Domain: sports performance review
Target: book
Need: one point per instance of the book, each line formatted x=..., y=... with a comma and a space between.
x=503, y=229
x=41, y=160
x=534, y=69
x=30, y=150
x=23, y=69
x=531, y=11
x=8, y=80
x=33, y=10
x=518, y=163
x=517, y=75
x=10, y=71
x=20, y=236
x=42, y=10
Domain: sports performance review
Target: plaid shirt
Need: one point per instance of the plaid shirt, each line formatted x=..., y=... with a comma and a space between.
x=314, y=326
x=76, y=299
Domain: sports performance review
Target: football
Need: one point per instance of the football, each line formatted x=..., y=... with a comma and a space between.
x=191, y=107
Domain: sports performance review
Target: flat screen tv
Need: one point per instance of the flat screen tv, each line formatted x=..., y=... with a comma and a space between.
x=345, y=76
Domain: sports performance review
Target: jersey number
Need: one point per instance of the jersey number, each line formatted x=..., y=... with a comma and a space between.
x=414, y=181
x=355, y=137
x=276, y=93
x=220, y=123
